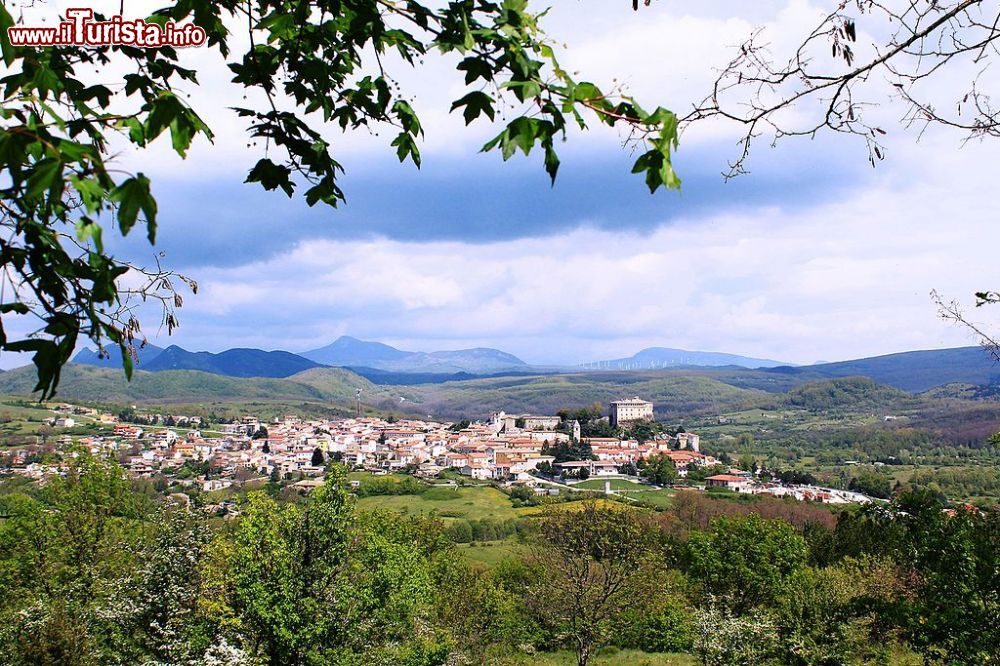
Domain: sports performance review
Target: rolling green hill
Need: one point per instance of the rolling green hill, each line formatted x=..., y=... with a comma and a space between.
x=848, y=392
x=912, y=371
x=91, y=383
x=674, y=394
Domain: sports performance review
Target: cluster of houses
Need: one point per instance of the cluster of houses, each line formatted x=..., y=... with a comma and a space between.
x=505, y=448
x=743, y=482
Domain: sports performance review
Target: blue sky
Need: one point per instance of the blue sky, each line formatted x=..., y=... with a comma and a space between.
x=814, y=255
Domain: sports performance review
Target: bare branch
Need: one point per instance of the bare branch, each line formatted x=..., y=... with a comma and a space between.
x=830, y=87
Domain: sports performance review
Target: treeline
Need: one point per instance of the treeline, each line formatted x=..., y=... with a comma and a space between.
x=486, y=529
x=888, y=444
x=92, y=572
x=374, y=486
x=960, y=481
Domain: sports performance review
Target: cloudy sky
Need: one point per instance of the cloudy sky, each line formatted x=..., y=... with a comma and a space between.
x=813, y=255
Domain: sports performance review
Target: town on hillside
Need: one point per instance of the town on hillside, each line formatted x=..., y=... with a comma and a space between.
x=548, y=454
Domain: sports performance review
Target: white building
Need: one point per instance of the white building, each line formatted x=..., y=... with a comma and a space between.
x=631, y=409
x=688, y=440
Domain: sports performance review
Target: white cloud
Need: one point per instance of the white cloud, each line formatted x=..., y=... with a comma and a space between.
x=840, y=280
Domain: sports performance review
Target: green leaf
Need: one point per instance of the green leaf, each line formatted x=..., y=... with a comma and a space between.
x=476, y=103
x=659, y=172
x=18, y=308
x=407, y=117
x=6, y=48
x=476, y=68
x=551, y=163
x=523, y=132
x=91, y=192
x=87, y=229
x=44, y=177
x=406, y=147
x=132, y=196
x=271, y=176
x=127, y=363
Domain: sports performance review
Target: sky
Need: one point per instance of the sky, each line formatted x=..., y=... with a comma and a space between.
x=814, y=255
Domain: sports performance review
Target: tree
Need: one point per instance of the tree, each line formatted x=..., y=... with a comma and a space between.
x=725, y=639
x=572, y=450
x=745, y=561
x=837, y=614
x=60, y=551
x=926, y=62
x=486, y=610
x=308, y=64
x=156, y=608
x=317, y=458
x=459, y=426
x=279, y=571
x=643, y=431
x=628, y=469
x=590, y=561
x=659, y=470
x=956, y=556
x=871, y=482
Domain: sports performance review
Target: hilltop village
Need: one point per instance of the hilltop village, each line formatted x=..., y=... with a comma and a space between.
x=547, y=453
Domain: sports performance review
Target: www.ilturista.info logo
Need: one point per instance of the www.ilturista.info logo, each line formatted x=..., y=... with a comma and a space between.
x=82, y=30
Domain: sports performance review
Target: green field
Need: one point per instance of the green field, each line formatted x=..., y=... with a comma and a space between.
x=491, y=552
x=470, y=503
x=636, y=491
x=661, y=499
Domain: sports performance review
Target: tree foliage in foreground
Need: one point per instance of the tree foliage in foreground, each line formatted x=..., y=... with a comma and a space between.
x=92, y=572
x=589, y=561
x=315, y=67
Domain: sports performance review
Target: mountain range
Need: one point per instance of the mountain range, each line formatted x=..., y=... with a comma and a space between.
x=370, y=358
x=914, y=371
x=350, y=352
x=382, y=364
x=231, y=363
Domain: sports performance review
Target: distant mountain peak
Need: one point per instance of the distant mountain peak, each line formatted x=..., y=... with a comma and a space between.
x=655, y=358
x=113, y=359
x=240, y=362
x=347, y=351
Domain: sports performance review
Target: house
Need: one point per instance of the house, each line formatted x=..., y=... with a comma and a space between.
x=729, y=481
x=476, y=471
x=593, y=467
x=308, y=485
x=211, y=485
